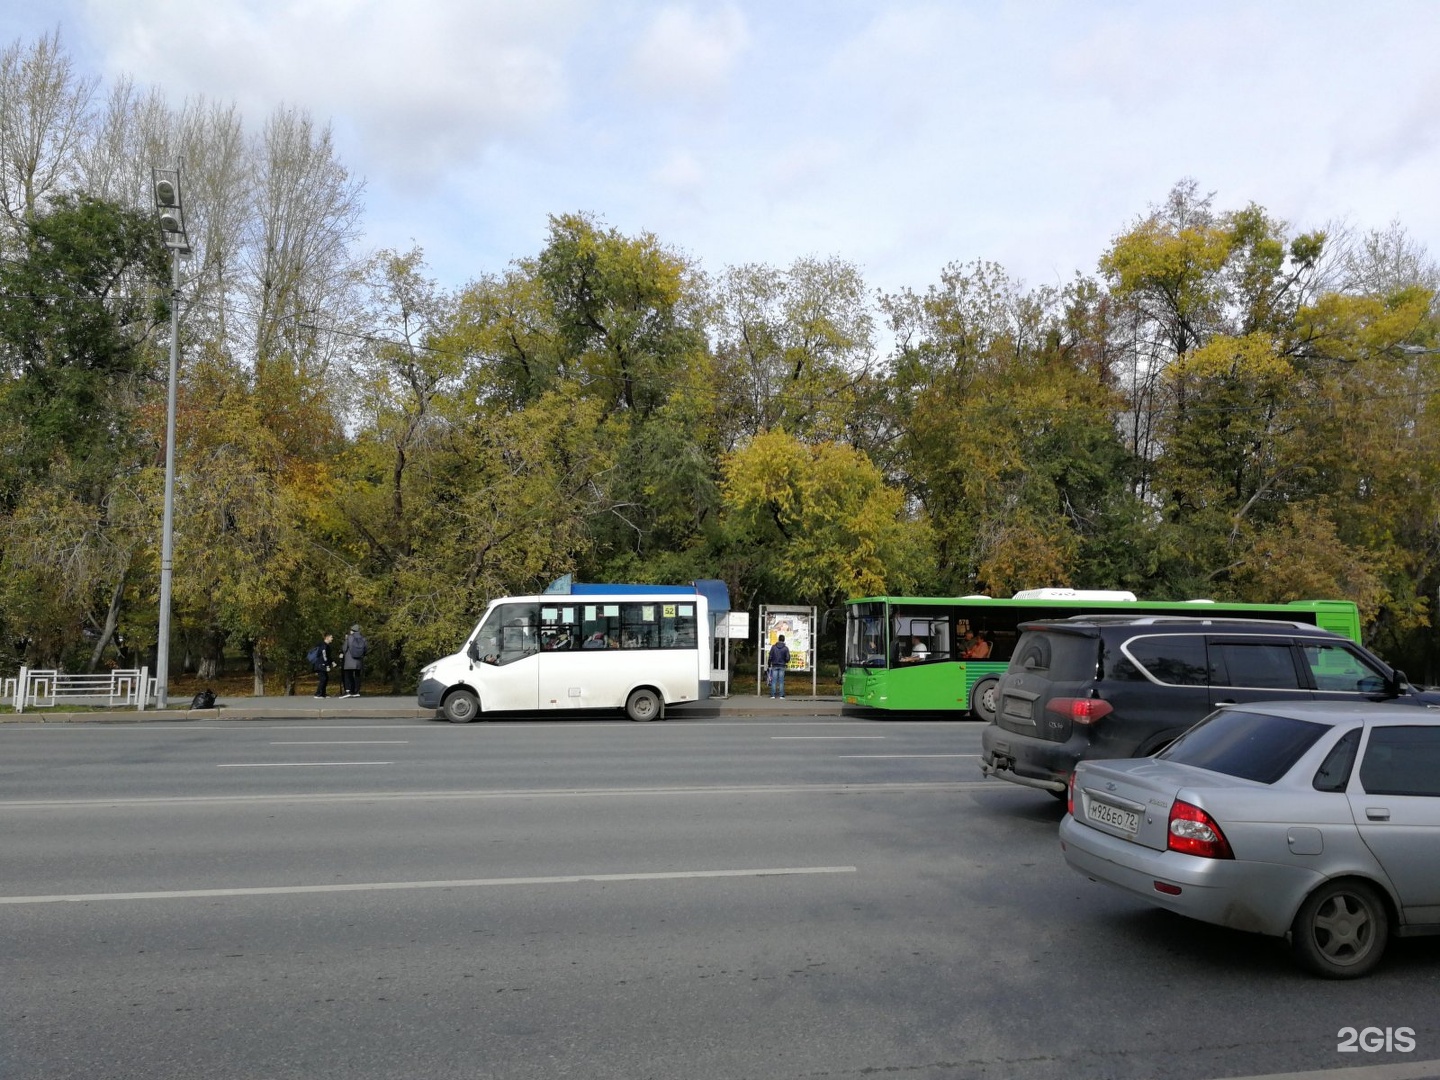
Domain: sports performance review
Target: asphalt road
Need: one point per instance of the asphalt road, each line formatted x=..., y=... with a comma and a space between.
x=710, y=898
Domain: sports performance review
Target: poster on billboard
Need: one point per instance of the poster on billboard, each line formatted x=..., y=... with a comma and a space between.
x=796, y=626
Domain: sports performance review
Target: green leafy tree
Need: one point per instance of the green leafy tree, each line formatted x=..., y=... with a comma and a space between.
x=1006, y=436
x=75, y=311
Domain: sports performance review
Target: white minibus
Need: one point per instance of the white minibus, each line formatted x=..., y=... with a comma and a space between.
x=632, y=647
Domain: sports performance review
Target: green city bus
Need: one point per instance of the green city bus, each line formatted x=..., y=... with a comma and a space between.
x=910, y=652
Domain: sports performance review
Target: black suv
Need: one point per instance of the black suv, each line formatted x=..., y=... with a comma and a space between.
x=1116, y=686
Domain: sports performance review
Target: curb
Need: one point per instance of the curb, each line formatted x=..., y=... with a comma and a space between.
x=135, y=716
x=818, y=706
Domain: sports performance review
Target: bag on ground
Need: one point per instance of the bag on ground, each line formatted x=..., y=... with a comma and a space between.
x=205, y=699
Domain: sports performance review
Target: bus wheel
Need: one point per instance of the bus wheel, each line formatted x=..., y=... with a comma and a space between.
x=982, y=699
x=461, y=706
x=644, y=705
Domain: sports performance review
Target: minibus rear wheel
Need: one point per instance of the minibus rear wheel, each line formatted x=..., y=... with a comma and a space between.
x=644, y=704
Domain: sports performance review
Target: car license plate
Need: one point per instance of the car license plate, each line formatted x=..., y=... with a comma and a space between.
x=1018, y=708
x=1124, y=820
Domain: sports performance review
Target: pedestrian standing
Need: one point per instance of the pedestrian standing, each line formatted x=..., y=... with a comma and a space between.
x=322, y=664
x=352, y=658
x=778, y=661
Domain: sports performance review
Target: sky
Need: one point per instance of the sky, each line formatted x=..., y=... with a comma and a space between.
x=899, y=136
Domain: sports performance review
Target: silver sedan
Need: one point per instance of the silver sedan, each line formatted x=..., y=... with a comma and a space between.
x=1315, y=822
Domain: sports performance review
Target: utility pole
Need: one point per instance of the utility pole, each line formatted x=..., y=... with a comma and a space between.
x=172, y=227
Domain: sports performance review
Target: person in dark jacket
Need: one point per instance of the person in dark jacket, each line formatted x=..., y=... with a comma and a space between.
x=777, y=662
x=352, y=658
x=323, y=665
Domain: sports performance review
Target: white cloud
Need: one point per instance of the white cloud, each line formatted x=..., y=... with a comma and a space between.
x=682, y=175
x=423, y=84
x=686, y=55
x=898, y=134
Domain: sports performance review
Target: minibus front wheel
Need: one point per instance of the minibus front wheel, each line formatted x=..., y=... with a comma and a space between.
x=460, y=706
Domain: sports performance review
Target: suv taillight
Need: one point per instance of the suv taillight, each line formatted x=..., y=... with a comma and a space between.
x=1079, y=710
x=1194, y=832
x=1070, y=796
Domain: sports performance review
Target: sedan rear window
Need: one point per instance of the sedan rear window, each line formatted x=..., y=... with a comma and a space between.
x=1402, y=761
x=1251, y=746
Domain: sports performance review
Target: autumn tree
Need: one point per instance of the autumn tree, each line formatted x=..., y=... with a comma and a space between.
x=795, y=349
x=817, y=523
x=45, y=110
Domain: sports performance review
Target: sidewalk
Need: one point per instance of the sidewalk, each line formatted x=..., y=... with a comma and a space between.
x=401, y=708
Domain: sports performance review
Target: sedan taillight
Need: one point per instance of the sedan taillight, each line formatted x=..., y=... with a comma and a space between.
x=1194, y=832
x=1079, y=710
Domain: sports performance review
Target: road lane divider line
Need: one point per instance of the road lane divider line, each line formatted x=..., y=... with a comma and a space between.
x=345, y=742
x=387, y=886
x=918, y=787
x=296, y=764
x=1402, y=1070
x=905, y=755
x=823, y=738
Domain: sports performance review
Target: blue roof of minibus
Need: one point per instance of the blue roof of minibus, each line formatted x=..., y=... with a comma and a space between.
x=716, y=592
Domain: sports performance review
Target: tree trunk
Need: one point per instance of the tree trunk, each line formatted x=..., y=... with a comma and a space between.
x=112, y=619
x=258, y=656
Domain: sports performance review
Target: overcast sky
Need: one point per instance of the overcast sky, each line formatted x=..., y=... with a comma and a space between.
x=899, y=136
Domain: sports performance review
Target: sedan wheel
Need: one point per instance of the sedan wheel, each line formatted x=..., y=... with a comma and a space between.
x=1341, y=930
x=461, y=707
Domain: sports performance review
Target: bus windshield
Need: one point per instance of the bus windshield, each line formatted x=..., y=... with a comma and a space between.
x=865, y=636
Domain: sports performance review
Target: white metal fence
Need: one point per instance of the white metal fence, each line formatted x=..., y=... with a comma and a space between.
x=43, y=688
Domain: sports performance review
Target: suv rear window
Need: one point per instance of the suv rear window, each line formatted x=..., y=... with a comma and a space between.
x=1176, y=659
x=1251, y=746
x=1059, y=657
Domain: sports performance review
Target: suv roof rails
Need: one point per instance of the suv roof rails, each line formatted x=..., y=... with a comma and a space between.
x=1184, y=620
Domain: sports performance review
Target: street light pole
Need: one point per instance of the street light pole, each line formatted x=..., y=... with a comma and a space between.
x=172, y=228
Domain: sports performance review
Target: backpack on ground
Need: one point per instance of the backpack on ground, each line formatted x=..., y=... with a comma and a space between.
x=205, y=699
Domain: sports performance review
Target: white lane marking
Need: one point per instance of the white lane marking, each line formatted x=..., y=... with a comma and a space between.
x=381, y=886
x=297, y=764
x=825, y=737
x=904, y=755
x=1405, y=1070
x=936, y=787
x=346, y=742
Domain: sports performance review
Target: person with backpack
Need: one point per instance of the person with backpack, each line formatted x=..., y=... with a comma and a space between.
x=351, y=657
x=320, y=663
x=777, y=662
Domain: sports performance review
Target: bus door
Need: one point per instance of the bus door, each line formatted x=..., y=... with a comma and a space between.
x=570, y=657
x=508, y=648
x=580, y=666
